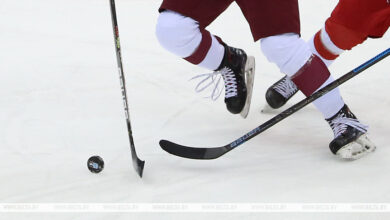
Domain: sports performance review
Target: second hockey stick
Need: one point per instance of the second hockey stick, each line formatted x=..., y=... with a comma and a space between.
x=137, y=163
x=215, y=152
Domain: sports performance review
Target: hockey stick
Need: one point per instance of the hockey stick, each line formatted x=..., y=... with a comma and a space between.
x=215, y=152
x=137, y=163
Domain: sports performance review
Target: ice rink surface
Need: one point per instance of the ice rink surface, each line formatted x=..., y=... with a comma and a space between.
x=60, y=103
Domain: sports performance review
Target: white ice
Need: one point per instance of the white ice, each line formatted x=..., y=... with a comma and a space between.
x=60, y=103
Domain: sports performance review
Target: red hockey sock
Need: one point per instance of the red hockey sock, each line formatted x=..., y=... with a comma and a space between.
x=311, y=75
x=204, y=46
x=322, y=48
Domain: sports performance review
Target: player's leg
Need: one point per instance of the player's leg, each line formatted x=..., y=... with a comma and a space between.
x=351, y=22
x=309, y=74
x=282, y=45
x=181, y=30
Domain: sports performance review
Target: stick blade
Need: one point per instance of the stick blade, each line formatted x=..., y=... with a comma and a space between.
x=137, y=163
x=193, y=153
x=138, y=166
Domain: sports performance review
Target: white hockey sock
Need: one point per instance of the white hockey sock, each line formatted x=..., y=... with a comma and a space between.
x=181, y=36
x=330, y=103
x=291, y=53
x=214, y=56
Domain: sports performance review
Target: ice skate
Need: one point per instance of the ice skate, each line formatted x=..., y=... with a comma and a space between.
x=280, y=92
x=237, y=71
x=351, y=141
x=233, y=69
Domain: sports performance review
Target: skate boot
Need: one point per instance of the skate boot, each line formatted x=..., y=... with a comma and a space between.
x=350, y=138
x=237, y=71
x=280, y=92
x=232, y=70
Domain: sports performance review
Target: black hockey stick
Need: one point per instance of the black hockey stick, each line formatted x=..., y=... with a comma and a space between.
x=215, y=152
x=137, y=163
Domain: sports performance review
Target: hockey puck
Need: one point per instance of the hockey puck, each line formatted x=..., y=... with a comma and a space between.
x=95, y=164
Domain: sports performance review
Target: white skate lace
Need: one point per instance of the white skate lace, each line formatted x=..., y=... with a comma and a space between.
x=215, y=80
x=286, y=87
x=341, y=123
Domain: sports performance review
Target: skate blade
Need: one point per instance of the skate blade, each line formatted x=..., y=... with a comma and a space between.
x=269, y=110
x=357, y=149
x=249, y=77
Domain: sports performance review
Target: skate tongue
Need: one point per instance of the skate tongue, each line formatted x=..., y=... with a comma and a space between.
x=340, y=124
x=286, y=88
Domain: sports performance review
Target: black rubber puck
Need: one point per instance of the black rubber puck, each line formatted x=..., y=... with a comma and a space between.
x=95, y=164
